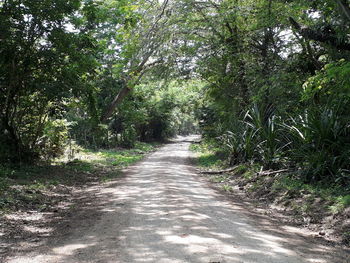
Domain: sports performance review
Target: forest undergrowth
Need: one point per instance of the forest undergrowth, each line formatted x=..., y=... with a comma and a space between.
x=39, y=187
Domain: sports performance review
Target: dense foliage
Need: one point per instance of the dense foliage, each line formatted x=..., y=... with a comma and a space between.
x=278, y=83
x=268, y=81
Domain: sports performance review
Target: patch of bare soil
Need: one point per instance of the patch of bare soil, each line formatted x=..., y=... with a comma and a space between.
x=36, y=213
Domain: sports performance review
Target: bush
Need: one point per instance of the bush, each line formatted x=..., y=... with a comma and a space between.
x=323, y=132
x=320, y=144
x=256, y=137
x=329, y=86
x=54, y=140
x=128, y=137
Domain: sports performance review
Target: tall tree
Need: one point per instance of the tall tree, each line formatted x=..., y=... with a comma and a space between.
x=140, y=46
x=44, y=58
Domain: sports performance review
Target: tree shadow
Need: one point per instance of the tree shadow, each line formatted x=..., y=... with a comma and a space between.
x=163, y=212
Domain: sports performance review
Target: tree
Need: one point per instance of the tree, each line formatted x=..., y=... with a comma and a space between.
x=41, y=64
x=143, y=41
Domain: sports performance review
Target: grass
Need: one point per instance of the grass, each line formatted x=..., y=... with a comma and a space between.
x=337, y=198
x=219, y=178
x=33, y=185
x=340, y=203
x=208, y=157
x=110, y=176
x=227, y=188
x=118, y=158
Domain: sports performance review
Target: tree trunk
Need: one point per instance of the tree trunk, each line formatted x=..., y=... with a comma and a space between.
x=120, y=96
x=13, y=140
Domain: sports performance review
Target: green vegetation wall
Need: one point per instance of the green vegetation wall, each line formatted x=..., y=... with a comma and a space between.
x=267, y=80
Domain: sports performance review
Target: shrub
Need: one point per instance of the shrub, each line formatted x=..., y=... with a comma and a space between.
x=54, y=140
x=320, y=144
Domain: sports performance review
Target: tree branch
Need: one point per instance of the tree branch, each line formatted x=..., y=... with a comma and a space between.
x=120, y=96
x=221, y=171
x=321, y=36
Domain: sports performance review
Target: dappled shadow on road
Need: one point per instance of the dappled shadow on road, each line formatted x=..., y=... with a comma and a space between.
x=163, y=212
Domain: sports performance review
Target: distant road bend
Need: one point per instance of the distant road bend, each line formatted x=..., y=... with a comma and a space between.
x=163, y=212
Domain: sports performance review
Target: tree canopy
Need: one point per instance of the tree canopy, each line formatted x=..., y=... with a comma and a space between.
x=267, y=81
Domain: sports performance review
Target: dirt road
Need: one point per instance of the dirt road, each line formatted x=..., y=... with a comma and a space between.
x=163, y=212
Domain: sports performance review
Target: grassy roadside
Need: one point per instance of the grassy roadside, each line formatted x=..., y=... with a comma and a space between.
x=322, y=208
x=38, y=202
x=42, y=187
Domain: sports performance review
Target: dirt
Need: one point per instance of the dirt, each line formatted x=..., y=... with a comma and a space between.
x=295, y=207
x=162, y=211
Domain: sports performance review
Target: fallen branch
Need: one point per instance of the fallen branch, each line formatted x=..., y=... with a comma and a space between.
x=273, y=172
x=228, y=170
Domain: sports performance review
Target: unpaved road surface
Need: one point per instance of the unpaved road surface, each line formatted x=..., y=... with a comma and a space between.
x=161, y=211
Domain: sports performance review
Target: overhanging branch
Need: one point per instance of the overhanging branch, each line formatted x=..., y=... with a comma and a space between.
x=327, y=37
